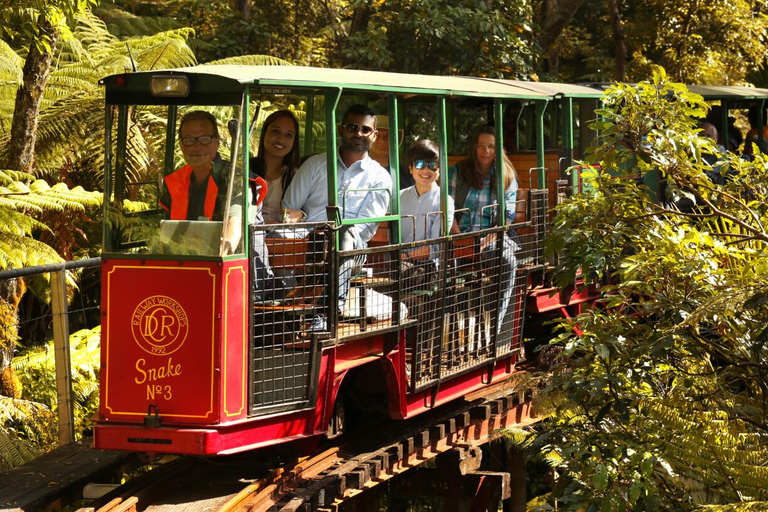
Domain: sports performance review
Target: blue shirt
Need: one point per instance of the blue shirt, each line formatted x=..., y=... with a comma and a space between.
x=478, y=198
x=308, y=191
x=419, y=206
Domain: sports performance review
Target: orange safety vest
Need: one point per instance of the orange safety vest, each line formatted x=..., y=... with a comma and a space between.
x=178, y=187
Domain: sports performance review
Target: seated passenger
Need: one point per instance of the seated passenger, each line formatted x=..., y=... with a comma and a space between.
x=472, y=184
x=198, y=190
x=420, y=202
x=277, y=160
x=306, y=198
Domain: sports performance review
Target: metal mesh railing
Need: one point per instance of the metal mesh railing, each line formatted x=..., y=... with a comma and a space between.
x=285, y=305
x=72, y=304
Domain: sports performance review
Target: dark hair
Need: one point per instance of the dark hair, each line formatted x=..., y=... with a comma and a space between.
x=423, y=148
x=359, y=109
x=200, y=115
x=469, y=169
x=291, y=161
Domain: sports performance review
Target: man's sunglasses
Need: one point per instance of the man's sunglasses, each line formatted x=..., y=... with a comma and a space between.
x=420, y=163
x=204, y=140
x=354, y=128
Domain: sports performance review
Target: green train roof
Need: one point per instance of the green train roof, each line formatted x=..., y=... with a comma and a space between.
x=227, y=82
x=234, y=77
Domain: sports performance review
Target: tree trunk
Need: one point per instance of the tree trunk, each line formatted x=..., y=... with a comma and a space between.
x=244, y=7
x=620, y=41
x=360, y=18
x=556, y=21
x=37, y=68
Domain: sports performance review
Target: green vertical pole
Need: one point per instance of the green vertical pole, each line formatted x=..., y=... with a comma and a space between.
x=499, y=165
x=568, y=132
x=541, y=107
x=122, y=142
x=394, y=166
x=245, y=136
x=308, y=122
x=331, y=102
x=170, y=140
x=442, y=142
x=724, y=123
x=107, y=231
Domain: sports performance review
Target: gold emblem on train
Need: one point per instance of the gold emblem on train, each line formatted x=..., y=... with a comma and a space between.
x=159, y=325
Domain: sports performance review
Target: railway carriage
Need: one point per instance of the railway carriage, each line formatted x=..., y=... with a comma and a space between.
x=199, y=356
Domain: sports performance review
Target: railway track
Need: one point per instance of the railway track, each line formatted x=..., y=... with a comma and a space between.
x=338, y=473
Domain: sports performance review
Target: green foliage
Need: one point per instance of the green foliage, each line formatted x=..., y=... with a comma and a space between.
x=26, y=430
x=716, y=42
x=21, y=205
x=29, y=20
x=657, y=402
x=441, y=37
x=36, y=368
x=29, y=426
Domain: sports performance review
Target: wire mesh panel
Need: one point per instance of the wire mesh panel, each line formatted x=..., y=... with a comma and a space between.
x=289, y=267
x=421, y=282
x=369, y=292
x=540, y=220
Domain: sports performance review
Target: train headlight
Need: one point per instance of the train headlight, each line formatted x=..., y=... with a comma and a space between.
x=170, y=86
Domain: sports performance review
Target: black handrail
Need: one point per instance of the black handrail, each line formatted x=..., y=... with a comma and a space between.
x=51, y=267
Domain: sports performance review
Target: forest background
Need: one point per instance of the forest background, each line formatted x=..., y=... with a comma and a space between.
x=52, y=53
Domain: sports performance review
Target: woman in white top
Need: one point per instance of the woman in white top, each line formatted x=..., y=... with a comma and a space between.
x=278, y=158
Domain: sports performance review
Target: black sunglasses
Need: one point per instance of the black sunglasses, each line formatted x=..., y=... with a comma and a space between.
x=203, y=140
x=420, y=163
x=354, y=128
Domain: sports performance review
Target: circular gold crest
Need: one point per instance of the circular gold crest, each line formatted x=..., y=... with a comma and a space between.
x=159, y=325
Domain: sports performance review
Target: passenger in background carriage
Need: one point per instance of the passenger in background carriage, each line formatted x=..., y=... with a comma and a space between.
x=420, y=206
x=380, y=150
x=472, y=184
x=278, y=159
x=363, y=186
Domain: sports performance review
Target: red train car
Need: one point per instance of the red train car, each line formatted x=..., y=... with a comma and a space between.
x=202, y=355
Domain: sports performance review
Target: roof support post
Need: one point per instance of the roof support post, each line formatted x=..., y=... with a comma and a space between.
x=567, y=132
x=332, y=97
x=541, y=107
x=499, y=164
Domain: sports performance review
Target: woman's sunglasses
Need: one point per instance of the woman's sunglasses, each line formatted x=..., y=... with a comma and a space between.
x=420, y=163
x=354, y=128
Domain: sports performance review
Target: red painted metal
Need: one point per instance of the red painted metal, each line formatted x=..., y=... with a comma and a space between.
x=175, y=338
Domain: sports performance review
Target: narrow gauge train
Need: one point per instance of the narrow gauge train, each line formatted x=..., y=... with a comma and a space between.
x=202, y=356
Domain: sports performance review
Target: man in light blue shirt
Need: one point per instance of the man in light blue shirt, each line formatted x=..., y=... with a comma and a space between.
x=364, y=189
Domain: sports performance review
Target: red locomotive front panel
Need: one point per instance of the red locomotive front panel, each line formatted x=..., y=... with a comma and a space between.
x=161, y=341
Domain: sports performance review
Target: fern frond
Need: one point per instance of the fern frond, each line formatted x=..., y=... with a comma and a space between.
x=22, y=251
x=13, y=451
x=11, y=64
x=8, y=176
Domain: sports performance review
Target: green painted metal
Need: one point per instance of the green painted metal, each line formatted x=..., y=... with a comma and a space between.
x=170, y=132
x=540, y=107
x=308, y=123
x=568, y=131
x=498, y=114
x=442, y=142
x=332, y=97
x=107, y=203
x=122, y=134
x=394, y=166
x=245, y=136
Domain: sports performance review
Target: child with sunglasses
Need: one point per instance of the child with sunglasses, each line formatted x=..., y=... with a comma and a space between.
x=422, y=218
